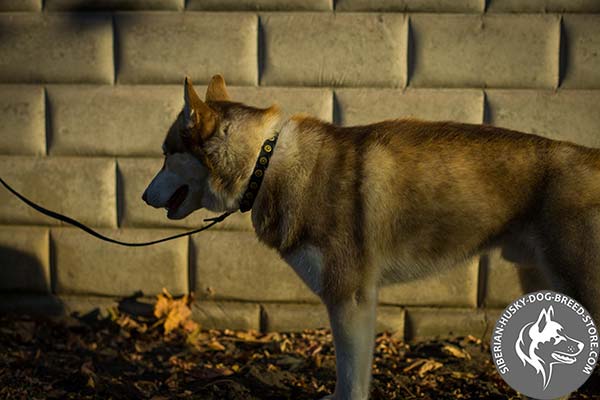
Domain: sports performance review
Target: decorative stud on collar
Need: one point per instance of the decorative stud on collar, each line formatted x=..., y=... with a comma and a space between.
x=266, y=151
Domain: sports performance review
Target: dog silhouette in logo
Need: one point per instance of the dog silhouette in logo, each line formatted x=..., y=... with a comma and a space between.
x=544, y=343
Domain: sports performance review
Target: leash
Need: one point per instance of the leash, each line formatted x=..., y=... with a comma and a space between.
x=71, y=221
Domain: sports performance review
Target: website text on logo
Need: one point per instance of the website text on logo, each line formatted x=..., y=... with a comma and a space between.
x=542, y=332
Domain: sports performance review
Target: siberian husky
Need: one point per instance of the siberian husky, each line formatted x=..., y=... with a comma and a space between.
x=346, y=206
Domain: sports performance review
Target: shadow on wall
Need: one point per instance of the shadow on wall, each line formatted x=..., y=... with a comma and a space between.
x=530, y=273
x=25, y=285
x=20, y=271
x=25, y=289
x=41, y=47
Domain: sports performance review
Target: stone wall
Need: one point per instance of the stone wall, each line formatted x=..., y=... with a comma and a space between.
x=88, y=89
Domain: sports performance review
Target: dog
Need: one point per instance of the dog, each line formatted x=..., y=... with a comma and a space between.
x=543, y=344
x=350, y=207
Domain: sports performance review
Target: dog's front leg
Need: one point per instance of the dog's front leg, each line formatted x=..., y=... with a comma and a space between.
x=353, y=326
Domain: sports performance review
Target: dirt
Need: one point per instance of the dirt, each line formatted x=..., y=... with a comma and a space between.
x=126, y=357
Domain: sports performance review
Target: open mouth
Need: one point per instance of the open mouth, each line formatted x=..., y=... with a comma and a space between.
x=563, y=358
x=176, y=199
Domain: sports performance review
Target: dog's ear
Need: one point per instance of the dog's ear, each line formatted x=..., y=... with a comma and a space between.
x=200, y=119
x=216, y=90
x=544, y=318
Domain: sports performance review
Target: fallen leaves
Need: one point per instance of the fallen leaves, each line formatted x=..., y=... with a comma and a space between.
x=125, y=357
x=174, y=313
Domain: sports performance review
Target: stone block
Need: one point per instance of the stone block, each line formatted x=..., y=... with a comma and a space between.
x=226, y=315
x=564, y=115
x=56, y=48
x=260, y=5
x=515, y=51
x=298, y=317
x=135, y=174
x=422, y=323
x=582, y=37
x=235, y=266
x=504, y=280
x=20, y=5
x=82, y=305
x=24, y=259
x=455, y=287
x=82, y=188
x=294, y=317
x=22, y=120
x=156, y=47
x=111, y=5
x=364, y=106
x=391, y=319
x=312, y=49
x=433, y=6
x=291, y=317
x=543, y=6
x=111, y=120
x=86, y=265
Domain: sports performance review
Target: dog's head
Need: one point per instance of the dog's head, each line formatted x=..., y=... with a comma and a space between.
x=209, y=150
x=544, y=343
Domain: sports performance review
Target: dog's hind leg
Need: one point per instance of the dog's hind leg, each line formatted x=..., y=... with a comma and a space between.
x=353, y=325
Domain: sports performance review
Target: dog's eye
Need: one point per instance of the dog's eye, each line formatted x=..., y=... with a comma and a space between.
x=557, y=339
x=226, y=129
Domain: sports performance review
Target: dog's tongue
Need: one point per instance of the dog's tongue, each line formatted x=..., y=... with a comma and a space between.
x=176, y=199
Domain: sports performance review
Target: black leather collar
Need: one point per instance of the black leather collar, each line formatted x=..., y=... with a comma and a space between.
x=266, y=151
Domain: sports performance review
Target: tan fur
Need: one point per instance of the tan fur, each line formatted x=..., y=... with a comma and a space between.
x=400, y=198
x=216, y=89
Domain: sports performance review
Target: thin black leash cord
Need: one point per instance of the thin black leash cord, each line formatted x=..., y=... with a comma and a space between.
x=60, y=217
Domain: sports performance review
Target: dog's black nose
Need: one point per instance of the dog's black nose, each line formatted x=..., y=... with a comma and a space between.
x=144, y=197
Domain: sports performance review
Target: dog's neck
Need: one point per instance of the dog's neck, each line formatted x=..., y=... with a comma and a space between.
x=285, y=182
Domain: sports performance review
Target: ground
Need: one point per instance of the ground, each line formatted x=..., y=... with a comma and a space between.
x=167, y=356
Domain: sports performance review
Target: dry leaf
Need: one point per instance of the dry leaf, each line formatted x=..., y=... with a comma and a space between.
x=414, y=365
x=87, y=368
x=216, y=345
x=174, y=313
x=161, y=308
x=463, y=375
x=428, y=366
x=90, y=382
x=190, y=326
x=456, y=351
